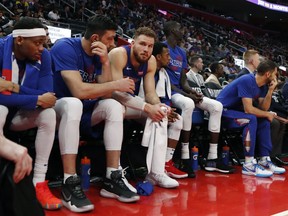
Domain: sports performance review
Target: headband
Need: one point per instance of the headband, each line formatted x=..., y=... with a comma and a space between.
x=29, y=32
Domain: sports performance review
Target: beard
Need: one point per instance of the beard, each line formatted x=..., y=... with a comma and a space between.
x=139, y=59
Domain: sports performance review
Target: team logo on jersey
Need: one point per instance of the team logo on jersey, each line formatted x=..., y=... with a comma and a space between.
x=128, y=68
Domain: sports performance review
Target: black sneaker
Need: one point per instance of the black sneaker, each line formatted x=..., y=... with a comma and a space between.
x=116, y=188
x=217, y=165
x=186, y=166
x=73, y=196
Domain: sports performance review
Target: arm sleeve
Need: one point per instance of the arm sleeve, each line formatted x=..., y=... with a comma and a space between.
x=128, y=100
x=19, y=101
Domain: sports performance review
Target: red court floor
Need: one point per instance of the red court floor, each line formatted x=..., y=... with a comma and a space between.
x=211, y=194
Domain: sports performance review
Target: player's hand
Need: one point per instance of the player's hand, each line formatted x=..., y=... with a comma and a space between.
x=47, y=100
x=125, y=85
x=156, y=112
x=196, y=96
x=172, y=115
x=5, y=85
x=100, y=49
x=271, y=115
x=272, y=85
x=23, y=163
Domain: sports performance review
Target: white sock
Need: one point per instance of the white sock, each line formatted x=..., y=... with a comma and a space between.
x=185, y=151
x=265, y=158
x=109, y=171
x=249, y=159
x=169, y=154
x=66, y=176
x=212, y=151
x=39, y=173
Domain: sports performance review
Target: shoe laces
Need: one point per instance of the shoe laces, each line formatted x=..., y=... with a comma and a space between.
x=119, y=177
x=76, y=188
x=271, y=164
x=256, y=165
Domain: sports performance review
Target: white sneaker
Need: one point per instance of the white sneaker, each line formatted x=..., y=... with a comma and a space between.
x=161, y=180
x=269, y=165
x=252, y=168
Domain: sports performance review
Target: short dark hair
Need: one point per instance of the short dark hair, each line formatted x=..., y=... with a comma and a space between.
x=193, y=59
x=99, y=24
x=169, y=26
x=214, y=66
x=158, y=48
x=145, y=31
x=266, y=66
x=28, y=23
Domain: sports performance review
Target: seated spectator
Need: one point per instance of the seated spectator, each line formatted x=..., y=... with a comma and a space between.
x=230, y=69
x=66, y=14
x=4, y=21
x=217, y=72
x=278, y=128
x=237, y=99
x=54, y=15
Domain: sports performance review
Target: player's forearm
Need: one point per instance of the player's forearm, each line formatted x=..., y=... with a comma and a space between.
x=106, y=75
x=128, y=100
x=266, y=103
x=152, y=98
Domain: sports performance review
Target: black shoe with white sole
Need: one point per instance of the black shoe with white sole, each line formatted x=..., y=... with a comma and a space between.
x=117, y=188
x=73, y=196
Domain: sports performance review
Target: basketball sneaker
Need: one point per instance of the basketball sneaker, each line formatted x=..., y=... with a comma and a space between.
x=73, y=196
x=173, y=172
x=46, y=198
x=218, y=166
x=269, y=165
x=117, y=188
x=252, y=168
x=162, y=180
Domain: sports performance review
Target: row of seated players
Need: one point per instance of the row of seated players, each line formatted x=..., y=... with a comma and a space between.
x=123, y=62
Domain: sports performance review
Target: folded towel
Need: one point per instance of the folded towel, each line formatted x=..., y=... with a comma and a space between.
x=155, y=138
x=163, y=85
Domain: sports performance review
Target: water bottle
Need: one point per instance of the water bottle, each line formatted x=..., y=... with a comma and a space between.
x=225, y=155
x=85, y=173
x=194, y=158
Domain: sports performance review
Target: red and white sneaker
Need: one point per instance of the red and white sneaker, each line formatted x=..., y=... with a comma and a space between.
x=46, y=198
x=173, y=172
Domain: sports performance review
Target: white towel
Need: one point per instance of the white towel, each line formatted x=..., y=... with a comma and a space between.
x=15, y=70
x=155, y=138
x=162, y=86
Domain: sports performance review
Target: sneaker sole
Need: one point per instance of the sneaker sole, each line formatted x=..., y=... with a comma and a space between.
x=73, y=208
x=52, y=206
x=153, y=182
x=257, y=175
x=212, y=169
x=108, y=194
x=279, y=173
x=177, y=176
